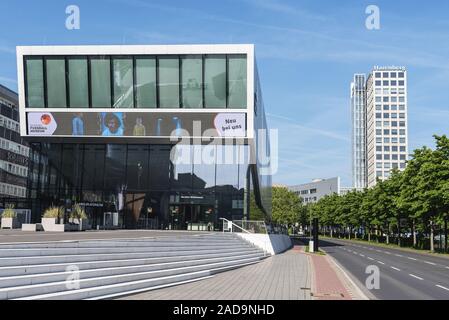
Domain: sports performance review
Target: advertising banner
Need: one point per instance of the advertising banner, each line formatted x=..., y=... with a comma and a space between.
x=136, y=124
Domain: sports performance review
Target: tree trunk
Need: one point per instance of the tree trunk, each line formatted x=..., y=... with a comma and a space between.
x=369, y=234
x=399, y=232
x=445, y=234
x=332, y=232
x=414, y=233
x=432, y=244
x=388, y=234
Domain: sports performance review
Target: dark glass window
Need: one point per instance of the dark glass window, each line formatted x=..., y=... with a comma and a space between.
x=204, y=159
x=227, y=167
x=115, y=161
x=160, y=167
x=182, y=161
x=138, y=167
x=93, y=167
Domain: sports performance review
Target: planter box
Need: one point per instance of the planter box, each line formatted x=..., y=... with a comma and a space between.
x=10, y=223
x=82, y=224
x=49, y=224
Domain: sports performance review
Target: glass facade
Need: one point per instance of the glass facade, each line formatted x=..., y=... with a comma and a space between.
x=192, y=75
x=139, y=179
x=56, y=90
x=215, y=82
x=168, y=81
x=100, y=75
x=146, y=96
x=35, y=82
x=146, y=186
x=78, y=82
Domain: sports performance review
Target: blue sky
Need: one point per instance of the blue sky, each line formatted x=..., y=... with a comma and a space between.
x=307, y=52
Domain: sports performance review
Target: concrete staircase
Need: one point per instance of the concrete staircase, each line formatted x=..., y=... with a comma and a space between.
x=102, y=269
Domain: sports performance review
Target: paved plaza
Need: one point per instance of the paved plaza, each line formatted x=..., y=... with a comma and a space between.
x=283, y=277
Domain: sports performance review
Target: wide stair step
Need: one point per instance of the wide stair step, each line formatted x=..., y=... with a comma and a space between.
x=100, y=269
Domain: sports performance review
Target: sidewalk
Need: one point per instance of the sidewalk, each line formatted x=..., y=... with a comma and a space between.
x=330, y=282
x=282, y=277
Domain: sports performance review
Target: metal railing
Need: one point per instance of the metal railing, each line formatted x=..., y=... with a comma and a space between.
x=252, y=226
x=244, y=226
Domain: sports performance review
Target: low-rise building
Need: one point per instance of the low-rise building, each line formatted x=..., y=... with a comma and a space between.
x=312, y=192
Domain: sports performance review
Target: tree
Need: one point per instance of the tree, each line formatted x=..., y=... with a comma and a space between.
x=286, y=206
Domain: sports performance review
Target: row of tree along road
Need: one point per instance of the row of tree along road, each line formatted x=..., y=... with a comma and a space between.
x=411, y=208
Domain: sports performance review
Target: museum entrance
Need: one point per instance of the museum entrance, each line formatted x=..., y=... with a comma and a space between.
x=192, y=217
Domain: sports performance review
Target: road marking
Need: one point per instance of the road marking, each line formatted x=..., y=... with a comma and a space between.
x=378, y=250
x=431, y=263
x=441, y=287
x=362, y=255
x=412, y=259
x=369, y=258
x=380, y=262
x=447, y=267
x=398, y=255
x=387, y=252
x=416, y=277
x=394, y=268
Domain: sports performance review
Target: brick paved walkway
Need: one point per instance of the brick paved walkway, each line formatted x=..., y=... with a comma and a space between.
x=328, y=283
x=283, y=277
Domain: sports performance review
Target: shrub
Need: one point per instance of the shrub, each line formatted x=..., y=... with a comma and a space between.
x=54, y=212
x=78, y=212
x=9, y=212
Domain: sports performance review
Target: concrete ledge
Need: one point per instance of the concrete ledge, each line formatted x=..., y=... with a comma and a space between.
x=32, y=227
x=271, y=243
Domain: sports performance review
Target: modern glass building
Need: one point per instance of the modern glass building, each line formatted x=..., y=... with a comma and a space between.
x=161, y=137
x=358, y=118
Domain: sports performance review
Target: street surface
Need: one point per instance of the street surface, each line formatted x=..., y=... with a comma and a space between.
x=403, y=275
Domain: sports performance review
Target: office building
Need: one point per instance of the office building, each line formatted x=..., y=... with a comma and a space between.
x=386, y=132
x=13, y=150
x=312, y=192
x=358, y=117
x=161, y=137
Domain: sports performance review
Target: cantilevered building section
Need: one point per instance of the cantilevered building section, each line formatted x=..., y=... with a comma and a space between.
x=358, y=117
x=387, y=136
x=106, y=122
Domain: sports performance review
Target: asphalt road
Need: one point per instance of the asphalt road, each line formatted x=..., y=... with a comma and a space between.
x=403, y=275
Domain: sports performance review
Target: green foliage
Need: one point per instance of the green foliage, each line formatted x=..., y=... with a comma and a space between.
x=256, y=214
x=9, y=212
x=78, y=212
x=54, y=212
x=286, y=206
x=419, y=194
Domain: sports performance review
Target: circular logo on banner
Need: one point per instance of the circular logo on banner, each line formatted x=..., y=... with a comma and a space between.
x=45, y=119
